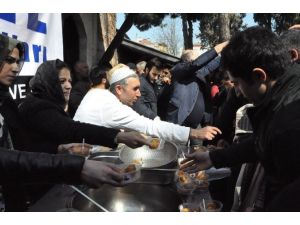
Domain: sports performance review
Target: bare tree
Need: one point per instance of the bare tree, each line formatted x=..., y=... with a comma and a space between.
x=170, y=34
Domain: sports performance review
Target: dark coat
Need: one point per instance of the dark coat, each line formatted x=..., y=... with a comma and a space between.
x=146, y=105
x=46, y=122
x=79, y=90
x=276, y=126
x=225, y=118
x=163, y=93
x=12, y=122
x=18, y=168
x=47, y=126
x=188, y=79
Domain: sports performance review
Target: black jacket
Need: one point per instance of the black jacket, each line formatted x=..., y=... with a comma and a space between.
x=19, y=168
x=276, y=126
x=146, y=105
x=226, y=115
x=47, y=126
x=79, y=90
x=46, y=122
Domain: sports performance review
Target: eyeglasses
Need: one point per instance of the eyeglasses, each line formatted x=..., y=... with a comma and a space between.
x=11, y=60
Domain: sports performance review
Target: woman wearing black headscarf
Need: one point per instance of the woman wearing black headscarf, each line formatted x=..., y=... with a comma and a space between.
x=44, y=115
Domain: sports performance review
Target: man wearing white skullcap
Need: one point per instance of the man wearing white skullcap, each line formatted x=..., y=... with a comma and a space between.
x=112, y=108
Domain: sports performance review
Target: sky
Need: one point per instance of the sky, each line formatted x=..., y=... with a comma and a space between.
x=151, y=34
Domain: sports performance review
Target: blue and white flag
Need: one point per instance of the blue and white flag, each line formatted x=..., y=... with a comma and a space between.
x=42, y=34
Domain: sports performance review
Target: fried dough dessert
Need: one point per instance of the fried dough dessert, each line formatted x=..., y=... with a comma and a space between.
x=201, y=175
x=183, y=177
x=154, y=143
x=186, y=207
x=185, y=210
x=212, y=206
x=129, y=168
x=137, y=161
x=198, y=148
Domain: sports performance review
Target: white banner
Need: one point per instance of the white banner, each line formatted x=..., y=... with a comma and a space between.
x=41, y=32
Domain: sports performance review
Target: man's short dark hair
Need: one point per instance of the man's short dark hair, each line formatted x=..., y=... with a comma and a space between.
x=98, y=73
x=291, y=39
x=167, y=66
x=255, y=47
x=131, y=65
x=7, y=45
x=154, y=62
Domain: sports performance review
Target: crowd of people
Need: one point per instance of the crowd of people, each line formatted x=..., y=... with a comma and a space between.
x=239, y=99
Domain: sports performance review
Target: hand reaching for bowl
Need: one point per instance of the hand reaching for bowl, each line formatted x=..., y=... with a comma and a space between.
x=82, y=149
x=96, y=173
x=195, y=162
x=132, y=139
x=205, y=133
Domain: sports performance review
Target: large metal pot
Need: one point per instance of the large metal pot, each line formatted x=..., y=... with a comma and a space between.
x=154, y=161
x=164, y=156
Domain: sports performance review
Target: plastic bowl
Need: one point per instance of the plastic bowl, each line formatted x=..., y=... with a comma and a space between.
x=200, y=184
x=184, y=183
x=188, y=207
x=211, y=206
x=185, y=189
x=131, y=176
x=182, y=177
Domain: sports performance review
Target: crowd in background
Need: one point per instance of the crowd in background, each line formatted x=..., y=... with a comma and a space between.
x=240, y=100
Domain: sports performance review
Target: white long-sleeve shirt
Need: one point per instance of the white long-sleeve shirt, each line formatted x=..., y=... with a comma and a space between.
x=101, y=107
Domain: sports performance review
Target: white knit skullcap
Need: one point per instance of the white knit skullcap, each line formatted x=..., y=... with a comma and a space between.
x=120, y=74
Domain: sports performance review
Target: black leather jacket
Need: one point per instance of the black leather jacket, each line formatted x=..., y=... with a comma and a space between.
x=27, y=167
x=18, y=168
x=276, y=126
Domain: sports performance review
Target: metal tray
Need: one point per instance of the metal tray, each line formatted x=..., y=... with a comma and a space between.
x=131, y=198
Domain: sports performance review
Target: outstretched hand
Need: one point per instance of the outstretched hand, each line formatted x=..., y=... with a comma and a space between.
x=295, y=27
x=96, y=173
x=219, y=47
x=82, y=149
x=195, y=162
x=205, y=133
x=132, y=139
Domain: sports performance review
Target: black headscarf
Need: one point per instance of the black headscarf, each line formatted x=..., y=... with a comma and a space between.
x=46, y=85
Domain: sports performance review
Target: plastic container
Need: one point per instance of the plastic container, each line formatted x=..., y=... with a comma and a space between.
x=182, y=177
x=200, y=184
x=133, y=174
x=211, y=206
x=188, y=207
x=185, y=189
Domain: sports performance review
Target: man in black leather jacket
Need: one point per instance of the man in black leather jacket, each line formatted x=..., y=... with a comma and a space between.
x=25, y=167
x=260, y=67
